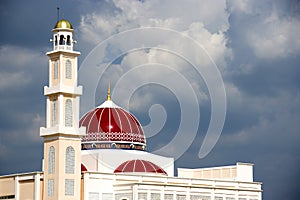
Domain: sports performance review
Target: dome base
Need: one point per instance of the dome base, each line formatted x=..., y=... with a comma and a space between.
x=112, y=145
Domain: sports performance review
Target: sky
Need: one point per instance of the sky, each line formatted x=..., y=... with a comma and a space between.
x=212, y=82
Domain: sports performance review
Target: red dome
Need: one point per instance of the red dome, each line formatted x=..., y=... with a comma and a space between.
x=83, y=168
x=139, y=166
x=109, y=126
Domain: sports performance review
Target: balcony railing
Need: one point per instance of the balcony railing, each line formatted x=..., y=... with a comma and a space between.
x=63, y=47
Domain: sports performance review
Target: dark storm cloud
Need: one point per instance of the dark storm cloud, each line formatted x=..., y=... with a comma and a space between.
x=29, y=23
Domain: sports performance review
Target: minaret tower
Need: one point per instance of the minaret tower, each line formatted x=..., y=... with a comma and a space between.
x=62, y=135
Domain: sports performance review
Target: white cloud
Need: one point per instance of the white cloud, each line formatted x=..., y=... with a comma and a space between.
x=196, y=35
x=15, y=79
x=275, y=38
x=16, y=57
x=268, y=31
x=176, y=15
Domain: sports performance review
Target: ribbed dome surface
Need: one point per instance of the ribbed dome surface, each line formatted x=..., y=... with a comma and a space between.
x=139, y=166
x=110, y=124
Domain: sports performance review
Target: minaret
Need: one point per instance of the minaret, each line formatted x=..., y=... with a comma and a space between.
x=62, y=135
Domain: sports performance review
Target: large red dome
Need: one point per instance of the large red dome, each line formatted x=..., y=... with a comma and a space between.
x=109, y=126
x=139, y=166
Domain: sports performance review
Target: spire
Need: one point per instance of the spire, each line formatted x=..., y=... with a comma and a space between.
x=108, y=92
x=57, y=13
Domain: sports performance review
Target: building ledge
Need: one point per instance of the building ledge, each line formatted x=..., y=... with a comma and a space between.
x=62, y=130
x=62, y=89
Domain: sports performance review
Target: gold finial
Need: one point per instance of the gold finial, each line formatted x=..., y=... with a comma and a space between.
x=108, y=92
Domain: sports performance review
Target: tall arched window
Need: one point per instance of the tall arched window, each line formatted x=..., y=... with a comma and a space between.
x=68, y=40
x=68, y=69
x=61, y=40
x=70, y=160
x=55, y=70
x=53, y=113
x=68, y=113
x=51, y=161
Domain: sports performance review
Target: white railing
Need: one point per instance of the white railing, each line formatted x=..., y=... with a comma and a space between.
x=63, y=47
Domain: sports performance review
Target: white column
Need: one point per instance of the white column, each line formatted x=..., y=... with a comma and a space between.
x=37, y=186
x=48, y=111
x=61, y=67
x=50, y=80
x=60, y=115
x=212, y=196
x=188, y=197
x=76, y=111
x=86, y=186
x=134, y=193
x=148, y=194
x=17, y=188
x=75, y=70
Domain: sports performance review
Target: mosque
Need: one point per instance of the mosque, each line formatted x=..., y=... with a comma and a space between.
x=103, y=154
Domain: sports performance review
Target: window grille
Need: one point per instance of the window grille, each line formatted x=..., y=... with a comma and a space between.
x=168, y=196
x=155, y=196
x=54, y=112
x=50, y=187
x=69, y=187
x=70, y=160
x=68, y=113
x=51, y=161
x=68, y=69
x=94, y=196
x=142, y=196
x=55, y=70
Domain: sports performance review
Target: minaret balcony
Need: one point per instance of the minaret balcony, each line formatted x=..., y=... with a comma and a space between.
x=63, y=89
x=62, y=130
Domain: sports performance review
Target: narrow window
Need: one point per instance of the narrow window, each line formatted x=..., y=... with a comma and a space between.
x=68, y=40
x=55, y=70
x=61, y=40
x=69, y=187
x=94, y=196
x=51, y=161
x=70, y=160
x=68, y=113
x=54, y=112
x=68, y=69
x=50, y=187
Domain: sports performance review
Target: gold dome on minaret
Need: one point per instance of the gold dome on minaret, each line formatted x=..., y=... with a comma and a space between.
x=63, y=24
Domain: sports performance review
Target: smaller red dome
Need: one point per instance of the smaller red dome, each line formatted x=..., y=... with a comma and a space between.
x=83, y=168
x=139, y=166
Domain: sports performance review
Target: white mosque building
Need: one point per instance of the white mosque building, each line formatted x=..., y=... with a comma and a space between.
x=103, y=155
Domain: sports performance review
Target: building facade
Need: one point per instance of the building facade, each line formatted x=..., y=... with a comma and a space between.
x=103, y=155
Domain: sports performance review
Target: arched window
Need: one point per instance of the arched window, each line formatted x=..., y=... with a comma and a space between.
x=68, y=40
x=70, y=160
x=68, y=69
x=55, y=70
x=55, y=40
x=61, y=40
x=68, y=113
x=53, y=113
x=51, y=160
